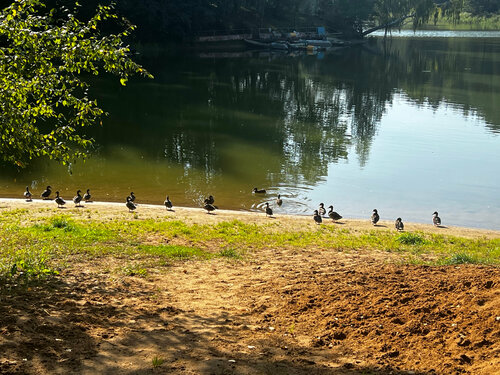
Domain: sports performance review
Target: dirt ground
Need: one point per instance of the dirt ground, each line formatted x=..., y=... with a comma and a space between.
x=280, y=311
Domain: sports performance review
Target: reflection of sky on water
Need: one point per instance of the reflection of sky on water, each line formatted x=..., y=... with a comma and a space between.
x=423, y=161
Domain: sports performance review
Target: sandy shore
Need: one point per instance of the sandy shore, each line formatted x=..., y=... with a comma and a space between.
x=199, y=216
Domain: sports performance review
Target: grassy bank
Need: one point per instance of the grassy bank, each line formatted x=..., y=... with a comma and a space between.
x=39, y=241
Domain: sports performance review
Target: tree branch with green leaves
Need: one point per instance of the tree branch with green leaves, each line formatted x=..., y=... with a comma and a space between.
x=44, y=101
x=391, y=14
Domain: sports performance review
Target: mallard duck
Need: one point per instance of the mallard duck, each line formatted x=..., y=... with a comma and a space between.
x=317, y=217
x=46, y=193
x=269, y=211
x=131, y=196
x=375, y=217
x=130, y=205
x=279, y=201
x=87, y=196
x=333, y=215
x=209, y=200
x=399, y=224
x=259, y=191
x=321, y=209
x=77, y=199
x=60, y=202
x=209, y=207
x=436, y=220
x=27, y=194
x=168, y=204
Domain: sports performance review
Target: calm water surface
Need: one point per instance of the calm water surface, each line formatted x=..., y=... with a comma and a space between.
x=407, y=126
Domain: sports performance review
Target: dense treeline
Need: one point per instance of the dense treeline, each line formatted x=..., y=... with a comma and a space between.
x=162, y=20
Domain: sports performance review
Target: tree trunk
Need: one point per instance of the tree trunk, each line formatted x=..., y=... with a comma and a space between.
x=387, y=25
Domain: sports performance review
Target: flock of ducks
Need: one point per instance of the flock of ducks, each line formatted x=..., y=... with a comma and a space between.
x=208, y=205
x=78, y=198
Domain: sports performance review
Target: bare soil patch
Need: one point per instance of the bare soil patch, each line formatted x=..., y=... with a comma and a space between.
x=280, y=313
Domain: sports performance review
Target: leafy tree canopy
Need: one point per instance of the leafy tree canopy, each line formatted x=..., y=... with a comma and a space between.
x=44, y=102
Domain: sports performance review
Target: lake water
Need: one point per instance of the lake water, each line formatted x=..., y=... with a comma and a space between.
x=409, y=126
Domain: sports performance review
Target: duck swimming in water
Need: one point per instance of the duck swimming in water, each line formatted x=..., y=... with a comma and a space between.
x=259, y=191
x=317, y=217
x=77, y=199
x=87, y=196
x=333, y=215
x=436, y=220
x=399, y=224
x=168, y=204
x=46, y=193
x=279, y=201
x=269, y=211
x=60, y=202
x=130, y=205
x=321, y=209
x=375, y=217
x=27, y=194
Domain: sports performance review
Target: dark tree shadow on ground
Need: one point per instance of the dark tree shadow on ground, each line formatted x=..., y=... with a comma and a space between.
x=86, y=326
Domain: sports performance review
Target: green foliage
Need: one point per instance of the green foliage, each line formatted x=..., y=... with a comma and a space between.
x=44, y=102
x=62, y=223
x=483, y=7
x=135, y=270
x=410, y=239
x=26, y=266
x=462, y=258
x=468, y=21
x=157, y=361
x=229, y=253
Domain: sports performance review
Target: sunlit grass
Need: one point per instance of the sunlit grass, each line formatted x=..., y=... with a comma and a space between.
x=36, y=246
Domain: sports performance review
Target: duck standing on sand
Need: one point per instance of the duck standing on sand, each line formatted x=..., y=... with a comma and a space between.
x=27, y=194
x=60, y=202
x=87, y=196
x=279, y=201
x=131, y=197
x=269, y=211
x=46, y=193
x=317, y=217
x=375, y=217
x=321, y=209
x=168, y=204
x=333, y=215
x=259, y=191
x=209, y=200
x=399, y=224
x=436, y=220
x=209, y=207
x=77, y=199
x=130, y=205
